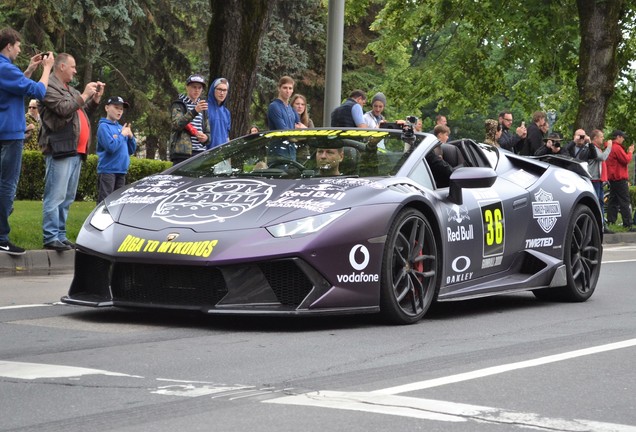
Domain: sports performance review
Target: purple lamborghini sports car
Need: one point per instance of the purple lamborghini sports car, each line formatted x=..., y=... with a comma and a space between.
x=335, y=221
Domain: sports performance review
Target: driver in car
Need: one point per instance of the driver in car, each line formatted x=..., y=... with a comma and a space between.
x=328, y=161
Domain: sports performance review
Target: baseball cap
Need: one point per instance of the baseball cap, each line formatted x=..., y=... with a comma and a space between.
x=117, y=100
x=617, y=133
x=195, y=78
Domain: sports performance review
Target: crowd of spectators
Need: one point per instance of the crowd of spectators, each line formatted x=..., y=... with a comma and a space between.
x=57, y=123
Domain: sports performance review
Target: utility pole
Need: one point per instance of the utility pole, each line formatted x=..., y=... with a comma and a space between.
x=335, y=43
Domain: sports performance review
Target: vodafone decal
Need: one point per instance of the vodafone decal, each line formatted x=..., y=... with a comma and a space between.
x=365, y=257
x=359, y=260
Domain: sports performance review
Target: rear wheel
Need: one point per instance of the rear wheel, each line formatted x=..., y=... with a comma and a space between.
x=409, y=269
x=582, y=259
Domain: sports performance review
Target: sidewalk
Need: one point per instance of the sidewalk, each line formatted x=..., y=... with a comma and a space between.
x=52, y=261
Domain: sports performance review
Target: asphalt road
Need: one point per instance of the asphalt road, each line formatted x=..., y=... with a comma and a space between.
x=505, y=363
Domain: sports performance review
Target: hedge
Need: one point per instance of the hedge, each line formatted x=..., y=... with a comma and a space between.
x=31, y=185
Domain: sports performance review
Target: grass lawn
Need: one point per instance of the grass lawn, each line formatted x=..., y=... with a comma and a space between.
x=26, y=222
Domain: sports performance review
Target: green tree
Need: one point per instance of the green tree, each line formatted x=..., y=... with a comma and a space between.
x=601, y=35
x=294, y=45
x=460, y=56
x=234, y=38
x=140, y=48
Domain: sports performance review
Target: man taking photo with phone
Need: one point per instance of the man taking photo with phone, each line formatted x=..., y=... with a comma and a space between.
x=14, y=86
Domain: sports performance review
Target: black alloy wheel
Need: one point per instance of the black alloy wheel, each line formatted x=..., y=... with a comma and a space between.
x=582, y=258
x=409, y=269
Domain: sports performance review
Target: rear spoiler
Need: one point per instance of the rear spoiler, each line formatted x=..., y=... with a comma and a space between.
x=566, y=162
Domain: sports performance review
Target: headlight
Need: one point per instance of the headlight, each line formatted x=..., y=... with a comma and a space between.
x=304, y=226
x=101, y=218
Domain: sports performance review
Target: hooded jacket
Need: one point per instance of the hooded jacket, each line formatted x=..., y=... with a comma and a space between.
x=113, y=148
x=14, y=86
x=219, y=118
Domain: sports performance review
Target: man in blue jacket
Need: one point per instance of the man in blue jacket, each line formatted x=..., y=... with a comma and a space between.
x=281, y=115
x=115, y=145
x=14, y=86
x=218, y=115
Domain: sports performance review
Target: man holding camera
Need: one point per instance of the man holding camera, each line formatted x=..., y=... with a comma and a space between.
x=551, y=145
x=581, y=148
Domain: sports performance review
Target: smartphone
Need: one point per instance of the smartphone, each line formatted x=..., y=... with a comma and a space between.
x=98, y=88
x=44, y=55
x=523, y=124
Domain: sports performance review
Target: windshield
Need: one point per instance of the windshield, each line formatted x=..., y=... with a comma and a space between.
x=303, y=153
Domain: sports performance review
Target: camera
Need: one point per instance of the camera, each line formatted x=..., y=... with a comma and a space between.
x=581, y=136
x=408, y=130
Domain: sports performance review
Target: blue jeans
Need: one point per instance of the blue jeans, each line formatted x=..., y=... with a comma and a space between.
x=598, y=188
x=10, y=165
x=60, y=186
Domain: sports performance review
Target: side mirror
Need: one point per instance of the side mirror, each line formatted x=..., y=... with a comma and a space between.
x=471, y=178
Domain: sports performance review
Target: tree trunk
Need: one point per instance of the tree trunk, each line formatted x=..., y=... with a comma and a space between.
x=234, y=39
x=598, y=67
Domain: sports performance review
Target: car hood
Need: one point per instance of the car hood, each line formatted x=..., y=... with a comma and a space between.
x=220, y=204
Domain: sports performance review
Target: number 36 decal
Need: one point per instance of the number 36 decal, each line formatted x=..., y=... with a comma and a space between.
x=494, y=228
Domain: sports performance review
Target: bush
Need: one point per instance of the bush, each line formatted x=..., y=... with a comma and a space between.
x=31, y=185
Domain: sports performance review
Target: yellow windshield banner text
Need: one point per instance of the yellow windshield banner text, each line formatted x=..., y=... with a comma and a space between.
x=326, y=132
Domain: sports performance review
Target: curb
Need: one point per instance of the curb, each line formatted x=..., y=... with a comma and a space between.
x=620, y=237
x=38, y=260
x=48, y=260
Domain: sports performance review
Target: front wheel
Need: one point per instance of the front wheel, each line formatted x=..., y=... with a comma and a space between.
x=582, y=258
x=409, y=269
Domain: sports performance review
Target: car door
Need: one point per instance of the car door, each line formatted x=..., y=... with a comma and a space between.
x=482, y=235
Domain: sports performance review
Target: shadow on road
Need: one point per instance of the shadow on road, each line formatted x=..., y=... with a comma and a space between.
x=195, y=319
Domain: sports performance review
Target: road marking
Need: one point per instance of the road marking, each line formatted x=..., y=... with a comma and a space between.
x=190, y=390
x=429, y=409
x=23, y=306
x=21, y=370
x=480, y=373
x=183, y=388
x=619, y=261
x=386, y=401
x=629, y=247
